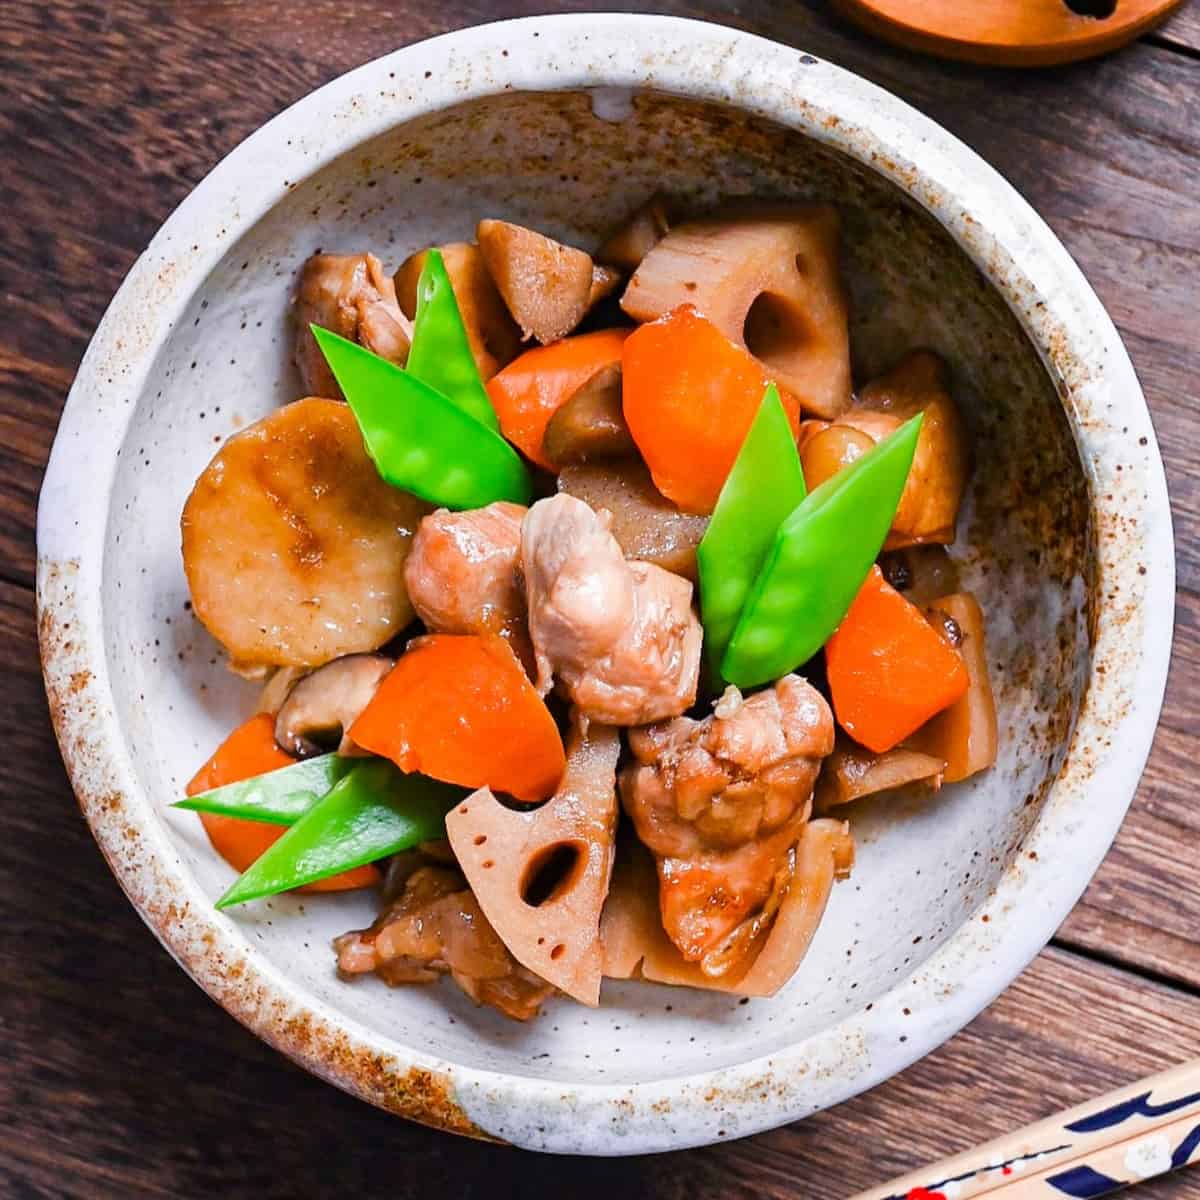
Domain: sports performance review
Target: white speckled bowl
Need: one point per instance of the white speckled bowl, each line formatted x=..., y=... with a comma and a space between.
x=567, y=122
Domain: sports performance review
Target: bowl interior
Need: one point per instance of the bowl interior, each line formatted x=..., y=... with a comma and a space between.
x=573, y=164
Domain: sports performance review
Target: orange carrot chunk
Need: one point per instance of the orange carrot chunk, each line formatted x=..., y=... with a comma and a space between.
x=532, y=388
x=251, y=750
x=690, y=396
x=461, y=709
x=889, y=670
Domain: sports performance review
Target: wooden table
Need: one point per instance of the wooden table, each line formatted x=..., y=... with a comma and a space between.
x=120, y=1078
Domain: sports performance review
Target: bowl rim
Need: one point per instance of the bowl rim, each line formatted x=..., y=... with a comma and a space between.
x=1059, y=312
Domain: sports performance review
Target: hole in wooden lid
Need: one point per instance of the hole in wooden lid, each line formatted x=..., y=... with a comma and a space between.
x=1092, y=8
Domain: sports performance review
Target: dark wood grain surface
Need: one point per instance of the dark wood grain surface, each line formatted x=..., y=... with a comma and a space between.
x=1183, y=29
x=119, y=1077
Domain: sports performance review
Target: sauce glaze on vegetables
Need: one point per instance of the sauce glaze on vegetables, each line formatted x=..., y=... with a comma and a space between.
x=572, y=498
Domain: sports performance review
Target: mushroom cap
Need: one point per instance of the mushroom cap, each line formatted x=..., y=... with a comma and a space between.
x=323, y=705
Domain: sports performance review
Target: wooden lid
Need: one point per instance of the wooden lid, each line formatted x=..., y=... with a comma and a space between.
x=1015, y=33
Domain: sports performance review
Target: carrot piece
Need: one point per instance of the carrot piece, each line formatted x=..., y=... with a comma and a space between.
x=889, y=669
x=532, y=388
x=690, y=396
x=460, y=708
x=251, y=750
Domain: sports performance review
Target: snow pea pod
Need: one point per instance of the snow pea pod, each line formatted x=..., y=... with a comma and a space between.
x=763, y=487
x=441, y=354
x=374, y=810
x=819, y=560
x=279, y=797
x=419, y=440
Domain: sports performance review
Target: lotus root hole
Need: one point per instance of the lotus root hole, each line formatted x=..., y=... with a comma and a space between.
x=775, y=331
x=552, y=872
x=557, y=952
x=480, y=838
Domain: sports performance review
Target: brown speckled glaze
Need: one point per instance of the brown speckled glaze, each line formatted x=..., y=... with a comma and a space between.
x=1065, y=537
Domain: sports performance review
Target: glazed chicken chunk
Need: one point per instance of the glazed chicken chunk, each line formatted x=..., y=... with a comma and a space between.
x=621, y=637
x=463, y=573
x=435, y=927
x=351, y=295
x=720, y=802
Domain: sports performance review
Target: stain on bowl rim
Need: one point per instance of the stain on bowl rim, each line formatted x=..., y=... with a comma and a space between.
x=1131, y=623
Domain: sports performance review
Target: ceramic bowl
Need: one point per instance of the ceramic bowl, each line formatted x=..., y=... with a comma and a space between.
x=567, y=123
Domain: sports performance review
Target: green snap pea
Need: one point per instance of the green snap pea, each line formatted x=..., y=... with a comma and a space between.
x=441, y=352
x=819, y=559
x=279, y=797
x=764, y=486
x=419, y=440
x=374, y=810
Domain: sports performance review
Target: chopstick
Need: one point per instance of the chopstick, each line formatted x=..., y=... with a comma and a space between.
x=1142, y=1130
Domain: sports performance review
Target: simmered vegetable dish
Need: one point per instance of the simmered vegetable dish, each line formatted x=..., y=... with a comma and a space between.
x=587, y=593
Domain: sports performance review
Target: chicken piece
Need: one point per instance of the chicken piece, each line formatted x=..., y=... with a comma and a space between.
x=823, y=854
x=732, y=777
x=636, y=946
x=929, y=504
x=590, y=426
x=720, y=802
x=541, y=875
x=645, y=523
x=437, y=928
x=639, y=235
x=493, y=334
x=464, y=573
x=621, y=637
x=852, y=772
x=547, y=286
x=293, y=546
x=351, y=295
x=768, y=279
